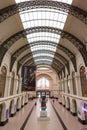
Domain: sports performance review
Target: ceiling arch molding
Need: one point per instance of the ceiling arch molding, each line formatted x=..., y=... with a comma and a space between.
x=25, y=47
x=18, y=52
x=23, y=6
x=57, y=56
x=66, y=62
x=54, y=66
x=11, y=40
x=20, y=62
x=13, y=59
x=62, y=68
x=15, y=55
x=69, y=54
x=39, y=63
x=21, y=50
x=28, y=55
x=30, y=63
x=64, y=49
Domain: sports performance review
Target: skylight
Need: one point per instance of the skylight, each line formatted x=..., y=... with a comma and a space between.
x=43, y=17
x=43, y=54
x=64, y=1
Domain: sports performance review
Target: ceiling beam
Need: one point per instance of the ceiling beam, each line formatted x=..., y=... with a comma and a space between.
x=23, y=6
x=11, y=40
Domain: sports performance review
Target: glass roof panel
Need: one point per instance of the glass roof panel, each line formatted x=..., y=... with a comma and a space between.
x=64, y=1
x=43, y=54
x=43, y=36
x=43, y=17
x=44, y=60
x=43, y=63
x=43, y=47
x=47, y=17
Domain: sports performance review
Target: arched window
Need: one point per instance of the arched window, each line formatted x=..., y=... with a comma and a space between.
x=43, y=83
x=2, y=80
x=83, y=81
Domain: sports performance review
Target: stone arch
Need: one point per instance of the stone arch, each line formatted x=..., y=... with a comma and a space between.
x=12, y=83
x=3, y=80
x=11, y=108
x=18, y=52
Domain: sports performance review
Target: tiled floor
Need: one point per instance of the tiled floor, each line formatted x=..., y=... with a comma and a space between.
x=16, y=122
x=69, y=120
x=53, y=123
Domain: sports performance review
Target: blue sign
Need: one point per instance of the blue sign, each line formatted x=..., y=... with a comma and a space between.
x=7, y=113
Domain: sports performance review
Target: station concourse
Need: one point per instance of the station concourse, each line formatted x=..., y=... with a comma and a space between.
x=43, y=64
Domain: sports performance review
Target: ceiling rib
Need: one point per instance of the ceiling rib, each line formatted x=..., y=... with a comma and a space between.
x=75, y=41
x=23, y=6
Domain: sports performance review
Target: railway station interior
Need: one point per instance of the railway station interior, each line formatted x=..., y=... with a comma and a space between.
x=50, y=38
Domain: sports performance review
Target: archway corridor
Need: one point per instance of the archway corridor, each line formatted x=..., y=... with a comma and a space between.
x=43, y=63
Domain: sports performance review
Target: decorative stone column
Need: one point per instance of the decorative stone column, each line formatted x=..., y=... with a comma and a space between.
x=66, y=87
x=4, y=116
x=71, y=84
x=20, y=86
x=60, y=91
x=78, y=84
x=62, y=87
x=58, y=88
x=8, y=85
x=15, y=85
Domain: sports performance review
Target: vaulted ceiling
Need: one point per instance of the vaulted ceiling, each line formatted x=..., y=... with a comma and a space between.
x=43, y=32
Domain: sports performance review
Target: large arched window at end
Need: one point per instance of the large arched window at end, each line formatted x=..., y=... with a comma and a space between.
x=83, y=81
x=2, y=80
x=43, y=83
